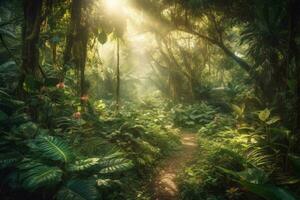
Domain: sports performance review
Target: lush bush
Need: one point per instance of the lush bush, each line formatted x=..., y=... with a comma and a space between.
x=70, y=148
x=193, y=116
x=242, y=157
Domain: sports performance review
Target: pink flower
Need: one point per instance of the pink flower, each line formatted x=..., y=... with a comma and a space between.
x=77, y=115
x=60, y=85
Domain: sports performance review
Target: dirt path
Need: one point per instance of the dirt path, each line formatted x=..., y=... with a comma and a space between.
x=165, y=187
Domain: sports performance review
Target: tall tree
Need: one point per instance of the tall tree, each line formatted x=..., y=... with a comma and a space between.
x=118, y=76
x=77, y=43
x=30, y=37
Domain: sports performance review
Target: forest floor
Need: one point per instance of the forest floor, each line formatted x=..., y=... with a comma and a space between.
x=165, y=187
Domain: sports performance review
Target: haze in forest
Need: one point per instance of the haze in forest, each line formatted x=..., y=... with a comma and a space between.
x=149, y=99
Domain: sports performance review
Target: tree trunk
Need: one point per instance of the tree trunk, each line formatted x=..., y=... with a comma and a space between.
x=77, y=45
x=74, y=22
x=118, y=76
x=30, y=38
x=294, y=56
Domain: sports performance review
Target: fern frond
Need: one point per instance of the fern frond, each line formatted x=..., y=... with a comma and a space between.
x=9, y=159
x=259, y=157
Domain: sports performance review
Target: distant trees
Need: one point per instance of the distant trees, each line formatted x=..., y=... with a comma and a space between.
x=260, y=36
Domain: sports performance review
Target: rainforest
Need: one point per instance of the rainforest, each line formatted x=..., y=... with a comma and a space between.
x=149, y=99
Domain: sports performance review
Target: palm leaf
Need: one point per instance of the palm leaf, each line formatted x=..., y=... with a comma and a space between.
x=115, y=165
x=52, y=148
x=35, y=175
x=78, y=190
x=83, y=165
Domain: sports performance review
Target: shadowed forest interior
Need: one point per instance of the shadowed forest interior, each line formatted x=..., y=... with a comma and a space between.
x=150, y=99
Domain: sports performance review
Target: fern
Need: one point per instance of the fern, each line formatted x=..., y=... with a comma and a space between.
x=35, y=175
x=9, y=159
x=52, y=148
x=78, y=190
x=259, y=157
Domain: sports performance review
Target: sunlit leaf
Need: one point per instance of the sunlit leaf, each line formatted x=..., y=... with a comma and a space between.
x=273, y=120
x=264, y=114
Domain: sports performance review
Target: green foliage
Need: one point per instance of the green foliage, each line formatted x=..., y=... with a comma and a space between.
x=83, y=165
x=192, y=116
x=250, y=149
x=34, y=175
x=60, y=137
x=78, y=190
x=52, y=148
x=114, y=165
x=44, y=161
x=255, y=181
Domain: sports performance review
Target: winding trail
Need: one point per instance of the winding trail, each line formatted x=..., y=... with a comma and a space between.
x=165, y=187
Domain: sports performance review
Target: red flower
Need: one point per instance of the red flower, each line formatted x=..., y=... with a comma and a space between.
x=77, y=115
x=60, y=85
x=84, y=98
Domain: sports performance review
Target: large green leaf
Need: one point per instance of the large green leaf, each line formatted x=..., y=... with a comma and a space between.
x=115, y=165
x=52, y=148
x=273, y=120
x=250, y=175
x=255, y=182
x=7, y=33
x=35, y=175
x=82, y=165
x=268, y=192
x=7, y=66
x=239, y=110
x=264, y=114
x=78, y=190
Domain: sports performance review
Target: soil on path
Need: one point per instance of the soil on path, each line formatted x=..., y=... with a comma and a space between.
x=165, y=187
